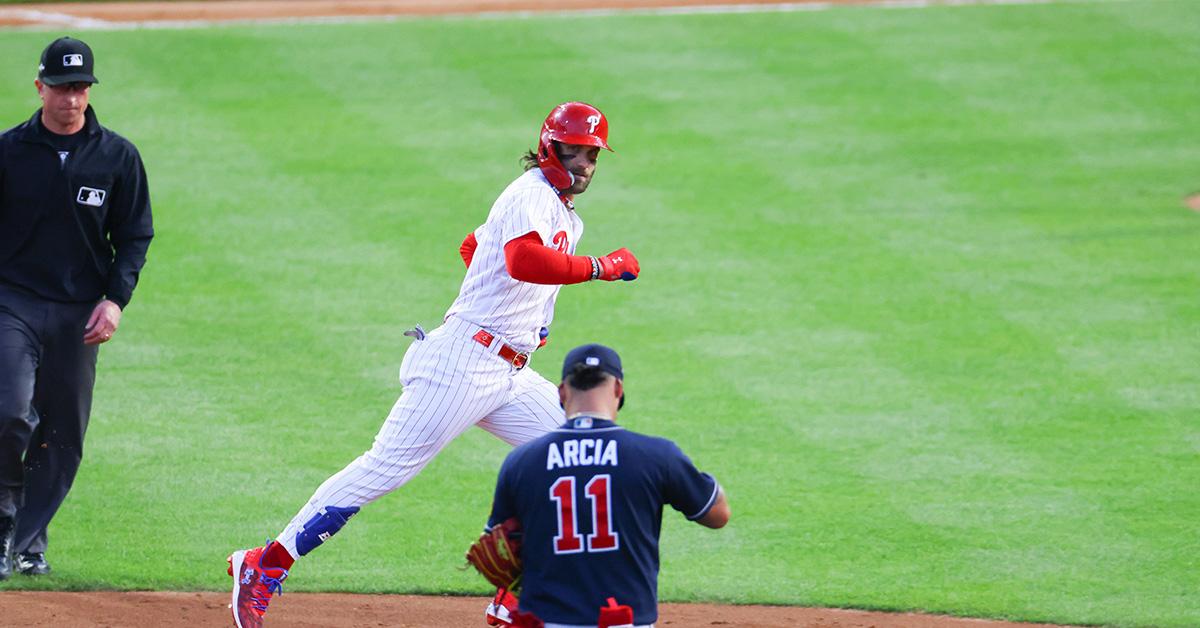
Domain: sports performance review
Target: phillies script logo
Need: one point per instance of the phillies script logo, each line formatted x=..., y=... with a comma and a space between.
x=560, y=241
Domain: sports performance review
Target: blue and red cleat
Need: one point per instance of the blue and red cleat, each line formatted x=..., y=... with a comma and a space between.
x=253, y=586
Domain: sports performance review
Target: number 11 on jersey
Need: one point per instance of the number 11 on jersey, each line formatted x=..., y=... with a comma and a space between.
x=603, y=538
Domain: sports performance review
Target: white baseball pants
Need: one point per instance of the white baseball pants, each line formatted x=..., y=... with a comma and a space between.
x=451, y=382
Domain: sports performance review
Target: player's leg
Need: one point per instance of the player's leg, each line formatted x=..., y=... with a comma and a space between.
x=532, y=409
x=449, y=383
x=19, y=356
x=63, y=398
x=415, y=431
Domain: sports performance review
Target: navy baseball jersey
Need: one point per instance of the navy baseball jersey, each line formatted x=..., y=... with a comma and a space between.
x=590, y=498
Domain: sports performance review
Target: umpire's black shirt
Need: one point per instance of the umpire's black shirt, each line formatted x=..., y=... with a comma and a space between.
x=74, y=213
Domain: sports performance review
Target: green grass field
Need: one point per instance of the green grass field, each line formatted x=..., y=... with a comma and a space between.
x=918, y=287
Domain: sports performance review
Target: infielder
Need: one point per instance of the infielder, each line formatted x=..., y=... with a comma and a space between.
x=589, y=498
x=473, y=369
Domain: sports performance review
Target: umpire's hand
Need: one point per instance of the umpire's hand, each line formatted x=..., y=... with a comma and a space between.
x=102, y=323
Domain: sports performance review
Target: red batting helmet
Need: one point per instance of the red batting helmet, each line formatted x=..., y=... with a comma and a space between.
x=569, y=123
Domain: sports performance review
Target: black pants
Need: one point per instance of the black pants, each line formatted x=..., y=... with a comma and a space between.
x=46, y=379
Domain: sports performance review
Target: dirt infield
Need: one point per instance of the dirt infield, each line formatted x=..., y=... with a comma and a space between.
x=100, y=15
x=329, y=610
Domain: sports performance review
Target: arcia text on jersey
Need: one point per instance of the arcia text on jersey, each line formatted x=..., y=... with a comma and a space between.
x=581, y=452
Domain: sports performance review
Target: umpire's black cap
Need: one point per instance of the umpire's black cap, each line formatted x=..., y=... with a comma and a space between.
x=67, y=60
x=594, y=356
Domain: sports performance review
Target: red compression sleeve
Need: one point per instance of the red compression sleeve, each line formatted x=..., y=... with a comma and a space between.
x=529, y=260
x=467, y=250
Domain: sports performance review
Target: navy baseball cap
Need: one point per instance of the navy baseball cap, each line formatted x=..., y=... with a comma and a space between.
x=593, y=355
x=66, y=60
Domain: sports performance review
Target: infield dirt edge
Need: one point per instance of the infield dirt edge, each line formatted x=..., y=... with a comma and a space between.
x=345, y=610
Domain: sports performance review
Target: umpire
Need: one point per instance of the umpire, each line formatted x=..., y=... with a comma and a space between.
x=74, y=228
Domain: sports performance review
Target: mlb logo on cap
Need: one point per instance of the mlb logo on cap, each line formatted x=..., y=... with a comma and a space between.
x=66, y=60
x=593, y=356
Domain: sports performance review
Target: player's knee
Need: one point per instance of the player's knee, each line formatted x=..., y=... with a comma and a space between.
x=13, y=408
x=322, y=526
x=17, y=419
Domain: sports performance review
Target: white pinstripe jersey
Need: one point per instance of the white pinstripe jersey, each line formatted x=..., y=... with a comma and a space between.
x=489, y=296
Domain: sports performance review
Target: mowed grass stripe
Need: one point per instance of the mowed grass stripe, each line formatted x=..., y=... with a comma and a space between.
x=1054, y=262
x=229, y=302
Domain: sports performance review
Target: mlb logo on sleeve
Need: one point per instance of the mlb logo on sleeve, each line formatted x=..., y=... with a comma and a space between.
x=72, y=61
x=91, y=197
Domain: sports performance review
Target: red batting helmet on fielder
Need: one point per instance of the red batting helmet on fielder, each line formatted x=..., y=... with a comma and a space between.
x=569, y=123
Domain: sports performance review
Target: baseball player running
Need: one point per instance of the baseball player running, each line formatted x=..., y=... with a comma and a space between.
x=473, y=369
x=588, y=498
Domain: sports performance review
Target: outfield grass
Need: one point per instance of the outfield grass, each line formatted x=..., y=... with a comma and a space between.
x=918, y=288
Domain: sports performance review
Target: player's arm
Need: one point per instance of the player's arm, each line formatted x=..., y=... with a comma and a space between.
x=467, y=249
x=718, y=515
x=497, y=553
x=692, y=492
x=130, y=229
x=503, y=499
x=527, y=259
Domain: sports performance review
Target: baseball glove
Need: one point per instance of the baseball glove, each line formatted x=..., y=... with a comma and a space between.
x=497, y=555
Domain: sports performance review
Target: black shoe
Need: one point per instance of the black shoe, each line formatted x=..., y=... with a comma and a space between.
x=7, y=529
x=32, y=564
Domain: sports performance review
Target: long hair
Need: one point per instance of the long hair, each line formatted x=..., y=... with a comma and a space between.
x=529, y=160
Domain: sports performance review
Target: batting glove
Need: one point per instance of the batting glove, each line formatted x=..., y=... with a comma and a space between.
x=620, y=264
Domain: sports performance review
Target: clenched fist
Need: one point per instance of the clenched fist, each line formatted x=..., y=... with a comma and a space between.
x=620, y=264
